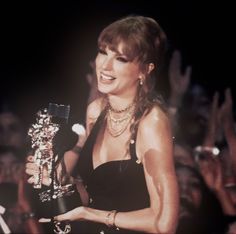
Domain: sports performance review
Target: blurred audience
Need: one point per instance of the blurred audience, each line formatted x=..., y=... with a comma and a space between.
x=12, y=130
x=200, y=211
x=11, y=164
x=205, y=153
x=15, y=194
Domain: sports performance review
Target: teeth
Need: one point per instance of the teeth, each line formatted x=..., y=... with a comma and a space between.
x=104, y=77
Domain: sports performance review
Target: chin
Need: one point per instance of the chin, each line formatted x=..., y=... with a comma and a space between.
x=104, y=89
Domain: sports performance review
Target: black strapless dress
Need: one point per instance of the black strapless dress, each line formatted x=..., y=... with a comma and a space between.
x=115, y=185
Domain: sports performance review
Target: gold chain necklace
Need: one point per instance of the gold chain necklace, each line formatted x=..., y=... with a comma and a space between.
x=116, y=126
x=121, y=110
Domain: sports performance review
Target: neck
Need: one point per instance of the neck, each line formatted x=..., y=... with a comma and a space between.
x=117, y=104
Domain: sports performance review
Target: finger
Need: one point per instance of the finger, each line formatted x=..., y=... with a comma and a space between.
x=30, y=172
x=31, y=169
x=62, y=217
x=30, y=158
x=175, y=63
x=188, y=72
x=228, y=96
x=44, y=220
x=215, y=100
x=31, y=180
x=177, y=58
x=32, y=166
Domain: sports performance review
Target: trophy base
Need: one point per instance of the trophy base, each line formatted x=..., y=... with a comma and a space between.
x=59, y=201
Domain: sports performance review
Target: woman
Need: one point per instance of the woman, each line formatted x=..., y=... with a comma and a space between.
x=127, y=160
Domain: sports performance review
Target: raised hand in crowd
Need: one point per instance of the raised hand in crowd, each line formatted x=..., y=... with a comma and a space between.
x=209, y=162
x=227, y=120
x=179, y=80
x=213, y=123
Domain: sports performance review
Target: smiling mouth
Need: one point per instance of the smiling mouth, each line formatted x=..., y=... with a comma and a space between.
x=106, y=78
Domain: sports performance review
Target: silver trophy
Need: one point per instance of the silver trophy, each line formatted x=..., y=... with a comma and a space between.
x=42, y=133
x=62, y=195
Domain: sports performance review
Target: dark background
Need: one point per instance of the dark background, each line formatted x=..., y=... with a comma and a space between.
x=46, y=46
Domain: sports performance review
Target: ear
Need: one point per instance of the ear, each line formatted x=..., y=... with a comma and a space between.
x=150, y=67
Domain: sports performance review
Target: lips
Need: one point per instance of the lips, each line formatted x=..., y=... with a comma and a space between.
x=106, y=78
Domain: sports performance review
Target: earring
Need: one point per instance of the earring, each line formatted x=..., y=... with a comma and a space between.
x=141, y=80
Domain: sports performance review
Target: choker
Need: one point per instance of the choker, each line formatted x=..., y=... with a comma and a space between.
x=121, y=110
x=117, y=125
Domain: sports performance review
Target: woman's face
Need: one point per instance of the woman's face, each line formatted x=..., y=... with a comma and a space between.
x=116, y=75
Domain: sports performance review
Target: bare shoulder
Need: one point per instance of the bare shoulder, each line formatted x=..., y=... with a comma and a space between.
x=155, y=119
x=93, y=111
x=155, y=135
x=94, y=108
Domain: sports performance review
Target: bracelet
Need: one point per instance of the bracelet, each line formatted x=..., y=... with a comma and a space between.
x=202, y=152
x=208, y=149
x=110, y=218
x=76, y=149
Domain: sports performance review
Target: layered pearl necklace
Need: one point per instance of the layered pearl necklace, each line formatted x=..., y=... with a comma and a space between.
x=116, y=126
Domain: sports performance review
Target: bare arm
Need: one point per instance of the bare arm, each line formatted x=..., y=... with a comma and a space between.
x=157, y=157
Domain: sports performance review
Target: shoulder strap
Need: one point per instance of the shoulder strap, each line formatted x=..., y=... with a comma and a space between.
x=85, y=167
x=132, y=146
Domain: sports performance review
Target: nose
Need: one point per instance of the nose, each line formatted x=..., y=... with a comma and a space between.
x=107, y=63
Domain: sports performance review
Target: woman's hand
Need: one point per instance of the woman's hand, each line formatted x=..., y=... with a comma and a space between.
x=32, y=169
x=72, y=215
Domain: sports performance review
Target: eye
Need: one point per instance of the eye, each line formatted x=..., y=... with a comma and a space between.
x=122, y=59
x=101, y=51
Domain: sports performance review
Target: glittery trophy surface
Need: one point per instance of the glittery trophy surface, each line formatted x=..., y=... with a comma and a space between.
x=42, y=133
x=61, y=196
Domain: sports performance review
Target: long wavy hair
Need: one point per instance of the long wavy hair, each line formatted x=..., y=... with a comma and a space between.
x=144, y=40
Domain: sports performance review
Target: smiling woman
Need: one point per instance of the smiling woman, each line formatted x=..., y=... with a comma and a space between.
x=126, y=162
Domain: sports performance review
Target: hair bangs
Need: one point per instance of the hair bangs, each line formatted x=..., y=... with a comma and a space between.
x=114, y=37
